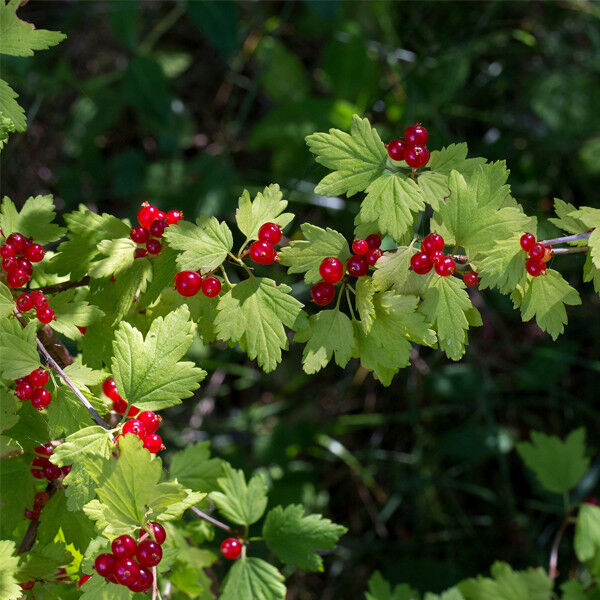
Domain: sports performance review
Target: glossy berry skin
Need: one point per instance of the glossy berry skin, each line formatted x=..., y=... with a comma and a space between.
x=416, y=135
x=140, y=253
x=188, y=283
x=134, y=426
x=38, y=378
x=395, y=149
x=373, y=255
x=153, y=443
x=45, y=450
x=160, y=535
x=66, y=470
x=32, y=514
x=23, y=391
x=83, y=579
x=231, y=548
x=27, y=585
x=535, y=266
x=38, y=299
x=24, y=302
x=109, y=387
x=119, y=406
x=262, y=253
x=40, y=461
x=158, y=228
x=432, y=242
x=40, y=398
x=445, y=267
x=133, y=410
x=123, y=546
x=150, y=420
x=471, y=279
x=126, y=571
x=7, y=251
x=146, y=215
x=360, y=246
x=17, y=241
x=23, y=264
x=357, y=266
x=104, y=564
x=437, y=256
x=322, y=293
x=416, y=156
x=373, y=240
x=51, y=472
x=421, y=263
x=16, y=278
x=34, y=253
x=211, y=287
x=174, y=216
x=270, y=233
x=149, y=553
x=41, y=499
x=537, y=251
x=153, y=247
x=9, y=263
x=138, y=234
x=143, y=582
x=331, y=269
x=37, y=473
x=44, y=315
x=527, y=241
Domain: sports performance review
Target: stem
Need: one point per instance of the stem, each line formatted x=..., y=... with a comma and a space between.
x=162, y=27
x=225, y=277
x=211, y=520
x=154, y=584
x=350, y=304
x=566, y=239
x=29, y=538
x=60, y=287
x=572, y=250
x=553, y=564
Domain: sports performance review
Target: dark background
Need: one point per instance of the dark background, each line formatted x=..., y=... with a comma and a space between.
x=183, y=105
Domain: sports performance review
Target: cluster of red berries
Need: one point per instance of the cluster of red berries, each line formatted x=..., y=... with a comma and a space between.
x=262, y=251
x=17, y=253
x=231, y=548
x=152, y=225
x=120, y=567
x=109, y=387
x=32, y=388
x=189, y=283
x=42, y=468
x=36, y=299
x=413, y=148
x=432, y=255
x=539, y=254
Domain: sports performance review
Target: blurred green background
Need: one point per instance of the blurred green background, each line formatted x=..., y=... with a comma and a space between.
x=183, y=105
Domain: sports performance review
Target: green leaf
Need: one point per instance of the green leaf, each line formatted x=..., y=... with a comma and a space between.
x=591, y=219
x=587, y=532
x=9, y=588
x=392, y=201
x=119, y=253
x=327, y=333
x=7, y=302
x=18, y=349
x=253, y=579
x=6, y=125
x=9, y=107
x=365, y=291
x=267, y=207
x=392, y=270
x=33, y=220
x=380, y=589
x=147, y=371
x=451, y=594
x=453, y=158
x=557, y=465
x=98, y=588
x=434, y=188
x=204, y=246
x=573, y=590
x=254, y=313
x=545, y=299
x=72, y=309
x=306, y=256
x=356, y=159
x=238, y=501
x=295, y=537
x=503, y=265
x=41, y=562
x=194, y=468
x=591, y=273
x=565, y=220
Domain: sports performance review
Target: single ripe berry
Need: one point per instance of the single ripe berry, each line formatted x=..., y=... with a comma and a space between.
x=188, y=283
x=150, y=420
x=17, y=241
x=143, y=582
x=373, y=255
x=548, y=253
x=41, y=499
x=27, y=585
x=153, y=443
x=160, y=535
x=51, y=472
x=416, y=156
x=109, y=387
x=9, y=263
x=173, y=216
x=45, y=450
x=147, y=214
x=416, y=135
x=396, y=149
x=7, y=251
x=161, y=216
x=104, y=564
x=140, y=253
x=119, y=405
x=432, y=242
x=527, y=241
x=153, y=247
x=123, y=546
x=437, y=256
x=445, y=267
x=40, y=461
x=331, y=269
x=134, y=426
x=23, y=264
x=262, y=253
x=421, y=263
x=37, y=473
x=537, y=251
x=231, y=548
x=535, y=266
x=373, y=240
x=149, y=553
x=24, y=302
x=357, y=266
x=40, y=398
x=270, y=233
x=139, y=235
x=83, y=579
x=66, y=470
x=471, y=279
x=23, y=391
x=38, y=299
x=157, y=228
x=592, y=500
x=360, y=246
x=82, y=330
x=39, y=377
x=133, y=411
x=34, y=253
x=32, y=514
x=322, y=293
x=126, y=571
x=211, y=287
x=16, y=278
x=44, y=315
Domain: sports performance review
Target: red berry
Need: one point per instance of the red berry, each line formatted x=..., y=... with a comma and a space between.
x=83, y=579
x=535, y=266
x=109, y=387
x=153, y=247
x=134, y=426
x=262, y=253
x=211, y=287
x=9, y=263
x=23, y=264
x=527, y=241
x=40, y=398
x=38, y=299
x=331, y=269
x=24, y=302
x=445, y=267
x=322, y=293
x=16, y=278
x=160, y=535
x=157, y=228
x=23, y=391
x=548, y=253
x=231, y=548
x=432, y=242
x=537, y=251
x=40, y=461
x=360, y=246
x=37, y=473
x=270, y=233
x=32, y=514
x=149, y=553
x=119, y=405
x=416, y=135
x=41, y=499
x=39, y=377
x=17, y=241
x=143, y=582
x=373, y=255
x=66, y=470
x=357, y=266
x=421, y=263
x=396, y=149
x=161, y=216
x=104, y=564
x=35, y=253
x=592, y=500
x=471, y=279
x=147, y=214
x=126, y=571
x=139, y=235
x=82, y=330
x=51, y=472
x=150, y=420
x=45, y=450
x=44, y=315
x=437, y=256
x=27, y=585
x=123, y=546
x=153, y=443
x=373, y=240
x=416, y=156
x=173, y=216
x=7, y=251
x=133, y=410
x=188, y=283
x=140, y=253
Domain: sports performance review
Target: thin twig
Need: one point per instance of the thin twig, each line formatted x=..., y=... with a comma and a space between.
x=572, y=250
x=211, y=520
x=60, y=287
x=566, y=239
x=154, y=584
x=552, y=567
x=30, y=535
